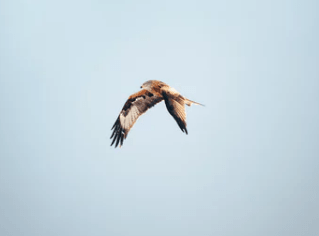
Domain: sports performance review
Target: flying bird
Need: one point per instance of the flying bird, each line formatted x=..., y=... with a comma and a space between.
x=153, y=92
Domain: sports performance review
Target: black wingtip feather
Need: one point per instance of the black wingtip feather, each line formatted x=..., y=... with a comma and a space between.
x=117, y=139
x=118, y=134
x=181, y=125
x=122, y=138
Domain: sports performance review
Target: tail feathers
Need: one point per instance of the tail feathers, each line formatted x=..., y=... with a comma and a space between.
x=190, y=102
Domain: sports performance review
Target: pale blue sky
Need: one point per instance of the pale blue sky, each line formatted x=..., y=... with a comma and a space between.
x=249, y=165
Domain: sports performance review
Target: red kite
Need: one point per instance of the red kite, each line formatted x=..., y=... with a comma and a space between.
x=153, y=92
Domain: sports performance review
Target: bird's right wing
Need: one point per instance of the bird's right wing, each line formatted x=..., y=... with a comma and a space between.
x=175, y=104
x=136, y=105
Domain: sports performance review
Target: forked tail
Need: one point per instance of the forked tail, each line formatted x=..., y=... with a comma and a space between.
x=190, y=102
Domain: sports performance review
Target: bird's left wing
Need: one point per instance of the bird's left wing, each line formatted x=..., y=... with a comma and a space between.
x=136, y=105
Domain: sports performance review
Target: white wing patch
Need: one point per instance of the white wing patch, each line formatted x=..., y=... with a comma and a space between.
x=129, y=120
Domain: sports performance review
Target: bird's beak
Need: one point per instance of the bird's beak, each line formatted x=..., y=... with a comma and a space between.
x=141, y=86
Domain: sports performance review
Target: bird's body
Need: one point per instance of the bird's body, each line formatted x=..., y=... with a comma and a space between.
x=153, y=92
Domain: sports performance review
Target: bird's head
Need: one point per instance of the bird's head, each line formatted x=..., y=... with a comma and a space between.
x=147, y=85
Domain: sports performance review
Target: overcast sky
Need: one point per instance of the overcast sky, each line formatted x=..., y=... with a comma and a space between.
x=249, y=165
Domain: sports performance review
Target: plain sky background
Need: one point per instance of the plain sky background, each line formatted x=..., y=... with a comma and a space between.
x=249, y=165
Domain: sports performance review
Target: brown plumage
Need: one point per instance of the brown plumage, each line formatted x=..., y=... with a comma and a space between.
x=153, y=92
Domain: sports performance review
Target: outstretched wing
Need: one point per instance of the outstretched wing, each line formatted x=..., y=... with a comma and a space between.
x=175, y=105
x=136, y=105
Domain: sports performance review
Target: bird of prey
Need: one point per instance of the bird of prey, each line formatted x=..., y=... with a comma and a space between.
x=153, y=92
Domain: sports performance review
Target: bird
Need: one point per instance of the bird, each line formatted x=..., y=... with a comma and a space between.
x=153, y=92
